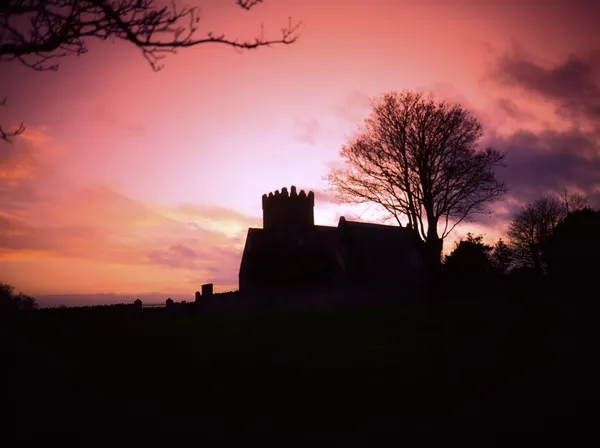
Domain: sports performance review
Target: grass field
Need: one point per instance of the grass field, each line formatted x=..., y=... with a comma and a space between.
x=344, y=374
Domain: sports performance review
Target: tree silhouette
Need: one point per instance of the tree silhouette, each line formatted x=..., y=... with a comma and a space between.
x=39, y=32
x=573, y=202
x=534, y=223
x=417, y=157
x=573, y=251
x=11, y=302
x=529, y=229
x=470, y=260
x=502, y=257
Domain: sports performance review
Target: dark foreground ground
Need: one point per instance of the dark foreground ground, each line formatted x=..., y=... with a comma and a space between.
x=338, y=377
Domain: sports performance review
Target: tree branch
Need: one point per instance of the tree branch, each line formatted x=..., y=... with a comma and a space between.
x=7, y=136
x=38, y=33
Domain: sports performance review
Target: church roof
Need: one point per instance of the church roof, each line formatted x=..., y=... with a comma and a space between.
x=382, y=250
x=352, y=249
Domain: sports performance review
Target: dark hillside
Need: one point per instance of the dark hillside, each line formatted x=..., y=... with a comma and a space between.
x=441, y=367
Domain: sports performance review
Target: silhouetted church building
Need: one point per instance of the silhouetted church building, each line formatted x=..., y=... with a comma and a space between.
x=291, y=252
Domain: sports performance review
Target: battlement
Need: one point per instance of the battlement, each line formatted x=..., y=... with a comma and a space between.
x=288, y=211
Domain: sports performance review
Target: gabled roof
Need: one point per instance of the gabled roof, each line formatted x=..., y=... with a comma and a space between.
x=382, y=250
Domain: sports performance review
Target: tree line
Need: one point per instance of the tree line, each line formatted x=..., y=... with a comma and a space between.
x=11, y=302
x=537, y=257
x=420, y=160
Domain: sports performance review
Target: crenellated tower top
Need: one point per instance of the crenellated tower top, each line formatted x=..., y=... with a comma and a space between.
x=288, y=211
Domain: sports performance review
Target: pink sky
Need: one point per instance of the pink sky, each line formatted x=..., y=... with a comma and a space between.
x=129, y=181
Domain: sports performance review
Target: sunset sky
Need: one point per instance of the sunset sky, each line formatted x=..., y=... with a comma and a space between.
x=129, y=182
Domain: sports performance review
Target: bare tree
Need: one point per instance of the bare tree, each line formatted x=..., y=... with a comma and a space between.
x=418, y=158
x=573, y=202
x=38, y=33
x=530, y=228
x=534, y=223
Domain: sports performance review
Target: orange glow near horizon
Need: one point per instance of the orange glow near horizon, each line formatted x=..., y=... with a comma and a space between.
x=129, y=181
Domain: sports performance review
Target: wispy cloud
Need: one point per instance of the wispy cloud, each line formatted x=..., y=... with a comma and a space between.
x=325, y=196
x=309, y=132
x=99, y=223
x=353, y=108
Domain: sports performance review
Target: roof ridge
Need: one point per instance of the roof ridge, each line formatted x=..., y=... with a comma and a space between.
x=362, y=223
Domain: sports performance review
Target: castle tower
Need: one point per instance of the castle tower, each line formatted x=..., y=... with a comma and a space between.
x=288, y=212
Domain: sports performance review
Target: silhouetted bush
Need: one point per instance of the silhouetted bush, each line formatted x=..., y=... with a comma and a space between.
x=468, y=270
x=12, y=303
